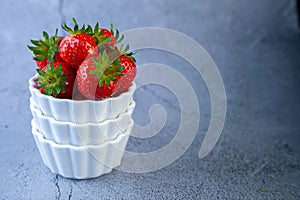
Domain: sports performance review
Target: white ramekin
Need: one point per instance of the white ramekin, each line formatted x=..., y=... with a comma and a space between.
x=81, y=162
x=80, y=111
x=81, y=134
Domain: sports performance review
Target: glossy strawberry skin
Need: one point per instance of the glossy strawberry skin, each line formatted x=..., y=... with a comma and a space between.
x=122, y=83
x=75, y=48
x=108, y=34
x=88, y=84
x=42, y=64
x=76, y=94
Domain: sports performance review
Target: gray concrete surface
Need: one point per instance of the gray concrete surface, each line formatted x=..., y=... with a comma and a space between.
x=256, y=47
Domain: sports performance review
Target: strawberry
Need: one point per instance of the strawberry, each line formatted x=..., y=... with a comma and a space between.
x=46, y=50
x=57, y=80
x=105, y=76
x=75, y=47
x=123, y=82
x=101, y=35
x=108, y=34
x=76, y=94
x=105, y=36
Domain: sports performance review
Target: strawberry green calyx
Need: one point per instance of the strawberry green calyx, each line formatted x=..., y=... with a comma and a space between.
x=45, y=49
x=98, y=35
x=76, y=29
x=130, y=56
x=104, y=36
x=52, y=80
x=107, y=68
x=124, y=52
x=93, y=32
x=116, y=34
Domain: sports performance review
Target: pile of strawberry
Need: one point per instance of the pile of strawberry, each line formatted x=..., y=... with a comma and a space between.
x=86, y=64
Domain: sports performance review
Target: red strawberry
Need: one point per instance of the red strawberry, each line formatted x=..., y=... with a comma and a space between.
x=105, y=36
x=102, y=35
x=46, y=50
x=105, y=76
x=42, y=64
x=76, y=94
x=75, y=47
x=57, y=80
x=107, y=33
x=122, y=83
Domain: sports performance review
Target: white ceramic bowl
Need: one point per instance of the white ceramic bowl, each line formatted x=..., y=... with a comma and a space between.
x=80, y=111
x=81, y=162
x=81, y=134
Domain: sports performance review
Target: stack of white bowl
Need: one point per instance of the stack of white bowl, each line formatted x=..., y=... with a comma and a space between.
x=81, y=139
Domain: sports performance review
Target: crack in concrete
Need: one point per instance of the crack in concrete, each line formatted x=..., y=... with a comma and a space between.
x=58, y=194
x=70, y=192
x=259, y=169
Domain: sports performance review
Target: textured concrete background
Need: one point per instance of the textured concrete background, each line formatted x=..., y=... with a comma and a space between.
x=256, y=47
